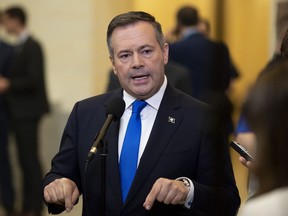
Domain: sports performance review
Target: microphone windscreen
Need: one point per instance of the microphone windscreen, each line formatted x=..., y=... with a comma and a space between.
x=116, y=107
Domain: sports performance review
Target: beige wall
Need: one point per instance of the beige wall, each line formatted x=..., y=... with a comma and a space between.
x=67, y=32
x=105, y=11
x=248, y=33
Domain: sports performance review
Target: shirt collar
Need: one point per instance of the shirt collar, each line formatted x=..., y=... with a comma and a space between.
x=189, y=31
x=153, y=101
x=23, y=37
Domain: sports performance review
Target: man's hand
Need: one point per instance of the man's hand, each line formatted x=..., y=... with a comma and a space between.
x=167, y=191
x=62, y=192
x=4, y=84
x=246, y=163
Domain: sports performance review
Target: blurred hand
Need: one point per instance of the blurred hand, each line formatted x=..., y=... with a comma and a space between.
x=246, y=163
x=166, y=191
x=62, y=192
x=4, y=84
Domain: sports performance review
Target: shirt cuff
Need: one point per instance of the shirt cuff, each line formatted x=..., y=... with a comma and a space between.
x=189, y=184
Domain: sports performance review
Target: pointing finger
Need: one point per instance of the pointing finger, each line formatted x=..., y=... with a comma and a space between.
x=152, y=196
x=67, y=189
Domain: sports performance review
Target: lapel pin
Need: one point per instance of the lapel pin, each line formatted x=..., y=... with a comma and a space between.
x=171, y=120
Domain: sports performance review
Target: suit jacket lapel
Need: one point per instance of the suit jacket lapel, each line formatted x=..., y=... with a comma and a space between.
x=166, y=123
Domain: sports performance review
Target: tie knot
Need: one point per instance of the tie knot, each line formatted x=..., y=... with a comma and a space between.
x=138, y=106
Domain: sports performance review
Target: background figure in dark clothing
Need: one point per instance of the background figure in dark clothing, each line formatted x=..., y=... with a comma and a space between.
x=6, y=188
x=26, y=102
x=205, y=28
x=208, y=61
x=177, y=75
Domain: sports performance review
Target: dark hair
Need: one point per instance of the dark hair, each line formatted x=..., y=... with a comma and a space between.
x=281, y=26
x=130, y=18
x=266, y=111
x=18, y=13
x=284, y=46
x=187, y=16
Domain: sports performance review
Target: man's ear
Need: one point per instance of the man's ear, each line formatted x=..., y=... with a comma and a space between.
x=113, y=63
x=166, y=53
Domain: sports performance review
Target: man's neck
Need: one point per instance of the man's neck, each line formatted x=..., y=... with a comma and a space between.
x=187, y=31
x=19, y=31
x=22, y=36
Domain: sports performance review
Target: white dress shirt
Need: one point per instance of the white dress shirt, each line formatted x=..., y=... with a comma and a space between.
x=148, y=116
x=23, y=37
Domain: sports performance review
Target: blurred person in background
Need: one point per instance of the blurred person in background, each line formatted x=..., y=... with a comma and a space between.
x=284, y=46
x=245, y=136
x=265, y=111
x=6, y=189
x=26, y=102
x=205, y=28
x=209, y=64
x=243, y=133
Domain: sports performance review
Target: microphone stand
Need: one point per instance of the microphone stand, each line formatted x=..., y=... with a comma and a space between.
x=103, y=148
x=115, y=110
x=104, y=152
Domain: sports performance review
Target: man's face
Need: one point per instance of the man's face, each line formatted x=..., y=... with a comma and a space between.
x=1, y=20
x=9, y=24
x=138, y=59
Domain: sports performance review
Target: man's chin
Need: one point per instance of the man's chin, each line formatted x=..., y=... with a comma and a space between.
x=142, y=94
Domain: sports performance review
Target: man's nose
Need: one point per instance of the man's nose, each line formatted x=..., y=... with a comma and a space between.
x=137, y=61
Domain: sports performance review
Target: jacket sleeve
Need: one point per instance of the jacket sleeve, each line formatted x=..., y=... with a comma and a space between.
x=65, y=163
x=215, y=191
x=32, y=68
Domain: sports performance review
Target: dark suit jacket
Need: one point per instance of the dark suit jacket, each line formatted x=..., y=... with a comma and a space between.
x=207, y=61
x=211, y=71
x=6, y=52
x=27, y=95
x=184, y=148
x=177, y=75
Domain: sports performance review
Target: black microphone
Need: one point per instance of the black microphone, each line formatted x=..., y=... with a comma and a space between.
x=114, y=111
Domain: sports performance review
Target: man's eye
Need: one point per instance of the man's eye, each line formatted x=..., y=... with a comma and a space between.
x=124, y=56
x=146, y=52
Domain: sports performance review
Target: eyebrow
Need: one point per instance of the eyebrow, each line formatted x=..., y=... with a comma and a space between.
x=146, y=46
x=140, y=48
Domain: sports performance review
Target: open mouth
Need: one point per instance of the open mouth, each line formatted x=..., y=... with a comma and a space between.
x=140, y=77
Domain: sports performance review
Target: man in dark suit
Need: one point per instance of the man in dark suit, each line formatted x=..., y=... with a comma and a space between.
x=26, y=102
x=183, y=167
x=6, y=187
x=208, y=61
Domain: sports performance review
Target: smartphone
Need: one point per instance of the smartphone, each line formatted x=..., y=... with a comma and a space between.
x=241, y=150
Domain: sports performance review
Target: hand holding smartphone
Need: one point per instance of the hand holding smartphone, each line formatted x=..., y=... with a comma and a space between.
x=241, y=150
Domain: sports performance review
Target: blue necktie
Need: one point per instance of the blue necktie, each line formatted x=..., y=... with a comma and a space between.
x=130, y=148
